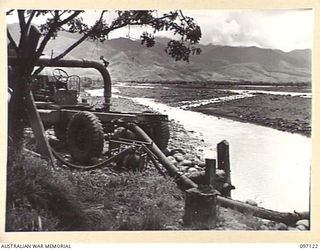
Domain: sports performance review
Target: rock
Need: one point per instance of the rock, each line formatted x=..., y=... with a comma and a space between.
x=252, y=203
x=281, y=226
x=179, y=157
x=183, y=168
x=197, y=161
x=220, y=173
x=197, y=167
x=301, y=228
x=186, y=163
x=171, y=228
x=292, y=229
x=197, y=177
x=177, y=150
x=264, y=227
x=193, y=171
x=172, y=160
x=189, y=157
x=304, y=223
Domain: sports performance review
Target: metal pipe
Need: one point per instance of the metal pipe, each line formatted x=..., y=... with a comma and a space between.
x=79, y=64
x=172, y=170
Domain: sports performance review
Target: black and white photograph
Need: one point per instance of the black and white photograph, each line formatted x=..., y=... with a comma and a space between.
x=159, y=120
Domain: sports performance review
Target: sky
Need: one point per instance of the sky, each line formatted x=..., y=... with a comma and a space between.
x=276, y=29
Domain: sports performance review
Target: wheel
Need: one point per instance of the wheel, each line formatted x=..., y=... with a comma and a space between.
x=85, y=137
x=60, y=132
x=161, y=134
x=158, y=130
x=60, y=75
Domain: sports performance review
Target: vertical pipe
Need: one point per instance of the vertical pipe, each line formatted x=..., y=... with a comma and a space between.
x=224, y=163
x=210, y=172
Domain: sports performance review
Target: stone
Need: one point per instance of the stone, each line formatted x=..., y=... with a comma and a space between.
x=171, y=228
x=305, y=223
x=179, y=157
x=197, y=177
x=220, y=173
x=189, y=156
x=264, y=227
x=193, y=171
x=301, y=228
x=252, y=203
x=186, y=163
x=197, y=161
x=177, y=150
x=197, y=167
x=281, y=226
x=172, y=160
x=183, y=168
x=292, y=229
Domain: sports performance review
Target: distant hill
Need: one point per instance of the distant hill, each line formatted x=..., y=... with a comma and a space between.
x=130, y=61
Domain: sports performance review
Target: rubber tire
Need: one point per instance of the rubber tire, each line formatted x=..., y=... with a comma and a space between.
x=85, y=137
x=161, y=134
x=60, y=132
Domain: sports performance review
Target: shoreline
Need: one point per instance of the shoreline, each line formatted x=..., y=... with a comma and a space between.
x=287, y=113
x=189, y=142
x=277, y=112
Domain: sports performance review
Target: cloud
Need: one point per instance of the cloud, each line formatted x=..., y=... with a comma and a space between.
x=276, y=29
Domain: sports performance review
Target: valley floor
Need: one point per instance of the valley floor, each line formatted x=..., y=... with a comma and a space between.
x=283, y=112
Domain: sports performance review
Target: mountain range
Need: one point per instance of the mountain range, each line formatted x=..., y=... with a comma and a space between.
x=131, y=61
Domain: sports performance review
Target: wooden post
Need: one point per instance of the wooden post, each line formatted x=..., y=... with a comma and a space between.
x=200, y=208
x=224, y=163
x=210, y=174
x=38, y=130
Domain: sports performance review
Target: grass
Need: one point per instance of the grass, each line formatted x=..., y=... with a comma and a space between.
x=40, y=198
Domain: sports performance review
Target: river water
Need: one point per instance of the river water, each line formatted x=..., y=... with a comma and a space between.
x=269, y=166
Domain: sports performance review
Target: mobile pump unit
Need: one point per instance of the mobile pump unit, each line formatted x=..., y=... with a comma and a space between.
x=87, y=130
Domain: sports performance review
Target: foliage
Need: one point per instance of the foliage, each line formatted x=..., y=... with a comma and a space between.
x=72, y=21
x=43, y=199
x=34, y=190
x=31, y=45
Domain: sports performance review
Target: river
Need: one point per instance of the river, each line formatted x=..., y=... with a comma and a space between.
x=269, y=166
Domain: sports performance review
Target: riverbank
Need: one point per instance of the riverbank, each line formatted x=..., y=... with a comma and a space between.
x=190, y=142
x=287, y=112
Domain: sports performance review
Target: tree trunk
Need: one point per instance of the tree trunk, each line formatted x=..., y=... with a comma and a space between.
x=17, y=116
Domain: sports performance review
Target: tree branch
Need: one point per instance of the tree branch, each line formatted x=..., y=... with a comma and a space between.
x=68, y=19
x=9, y=12
x=138, y=23
x=71, y=47
x=53, y=28
x=48, y=36
x=85, y=36
x=13, y=43
x=22, y=20
x=30, y=19
x=22, y=23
